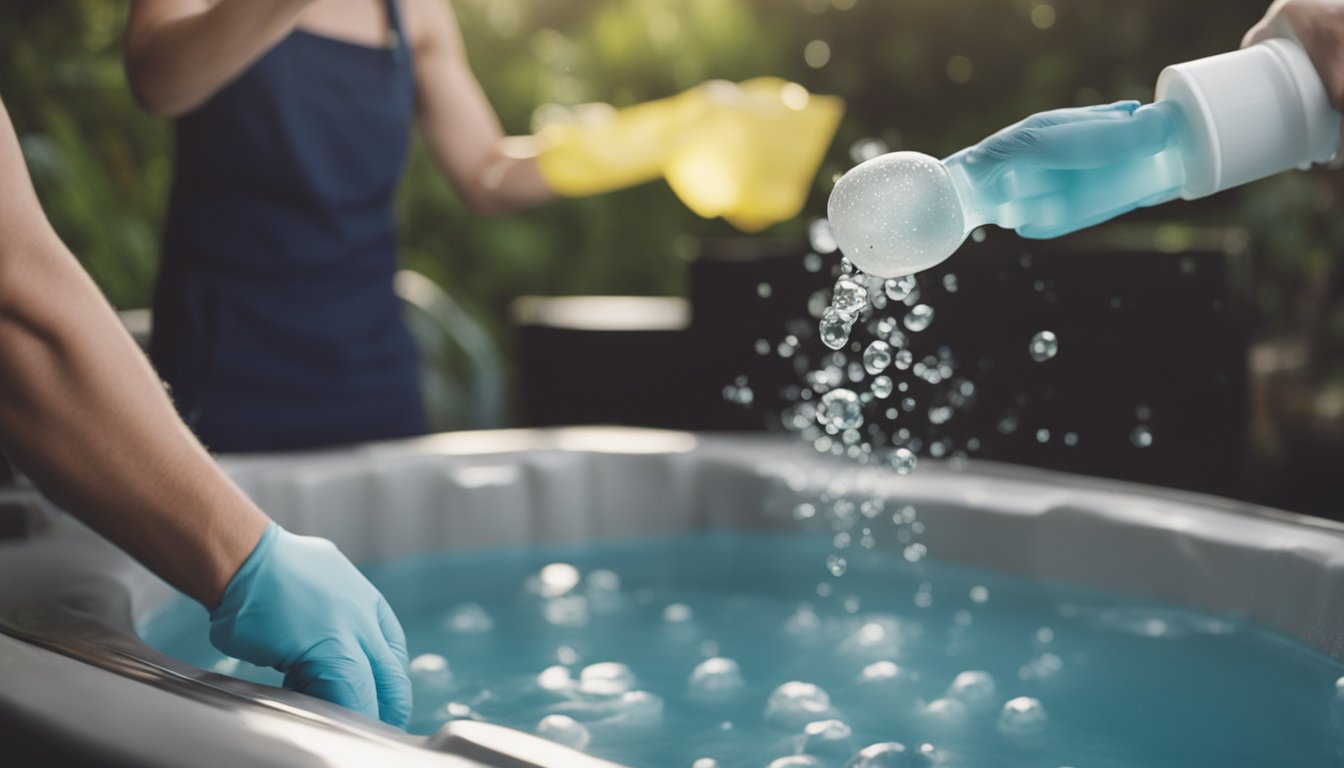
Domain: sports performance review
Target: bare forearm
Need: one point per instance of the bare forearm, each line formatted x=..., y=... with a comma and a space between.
x=83, y=414
x=507, y=181
x=175, y=62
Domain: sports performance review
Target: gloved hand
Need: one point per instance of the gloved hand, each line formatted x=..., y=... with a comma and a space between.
x=752, y=151
x=298, y=605
x=1036, y=164
x=746, y=152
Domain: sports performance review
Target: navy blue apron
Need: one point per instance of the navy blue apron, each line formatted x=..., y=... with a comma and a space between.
x=275, y=320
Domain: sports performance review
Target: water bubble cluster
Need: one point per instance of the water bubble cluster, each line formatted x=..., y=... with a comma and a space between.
x=1043, y=346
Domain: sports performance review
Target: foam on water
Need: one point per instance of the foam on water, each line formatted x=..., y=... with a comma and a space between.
x=977, y=669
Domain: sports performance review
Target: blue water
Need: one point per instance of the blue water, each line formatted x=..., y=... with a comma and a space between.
x=1121, y=681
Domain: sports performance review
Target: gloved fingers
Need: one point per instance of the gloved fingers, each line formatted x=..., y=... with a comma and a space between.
x=390, y=662
x=392, y=684
x=336, y=672
x=1088, y=139
x=392, y=632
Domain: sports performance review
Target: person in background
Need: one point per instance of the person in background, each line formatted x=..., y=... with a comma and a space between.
x=84, y=416
x=275, y=320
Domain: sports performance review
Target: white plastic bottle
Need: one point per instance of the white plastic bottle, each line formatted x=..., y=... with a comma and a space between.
x=1219, y=122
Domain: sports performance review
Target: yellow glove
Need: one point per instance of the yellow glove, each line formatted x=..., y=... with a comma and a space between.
x=753, y=154
x=603, y=149
x=745, y=152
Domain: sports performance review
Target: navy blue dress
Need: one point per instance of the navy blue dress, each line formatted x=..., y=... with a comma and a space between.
x=275, y=320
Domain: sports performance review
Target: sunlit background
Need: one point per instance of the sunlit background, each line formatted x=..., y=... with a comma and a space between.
x=931, y=75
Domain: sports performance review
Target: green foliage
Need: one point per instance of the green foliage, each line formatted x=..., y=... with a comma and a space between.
x=103, y=167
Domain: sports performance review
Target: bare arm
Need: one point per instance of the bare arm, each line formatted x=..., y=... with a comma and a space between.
x=84, y=415
x=180, y=52
x=458, y=124
x=1319, y=26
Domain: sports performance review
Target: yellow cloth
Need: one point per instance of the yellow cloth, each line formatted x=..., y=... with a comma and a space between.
x=747, y=152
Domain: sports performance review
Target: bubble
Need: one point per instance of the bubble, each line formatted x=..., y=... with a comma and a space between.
x=820, y=236
x=897, y=288
x=564, y=730
x=764, y=290
x=840, y=409
x=866, y=149
x=1070, y=438
x=903, y=360
x=883, y=673
x=555, y=679
x=974, y=687
x=637, y=709
x=226, y=666
x=834, y=328
x=827, y=737
x=795, y=704
x=1043, y=346
x=467, y=619
x=705, y=762
x=1141, y=437
x=796, y=761
x=812, y=262
x=1022, y=716
x=850, y=297
x=1044, y=666
x=877, y=357
x=918, y=318
x=557, y=579
x=455, y=710
x=887, y=754
x=836, y=565
x=950, y=283
x=677, y=613
x=903, y=460
x=896, y=214
x=607, y=678
x=979, y=594
x=881, y=387
x=715, y=678
x=432, y=670
x=873, y=639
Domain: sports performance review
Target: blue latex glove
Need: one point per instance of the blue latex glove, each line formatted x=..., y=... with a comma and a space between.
x=298, y=605
x=1066, y=169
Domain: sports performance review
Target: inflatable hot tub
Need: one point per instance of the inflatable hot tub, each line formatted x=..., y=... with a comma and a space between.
x=80, y=686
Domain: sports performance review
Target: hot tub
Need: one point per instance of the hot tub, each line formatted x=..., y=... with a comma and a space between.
x=80, y=685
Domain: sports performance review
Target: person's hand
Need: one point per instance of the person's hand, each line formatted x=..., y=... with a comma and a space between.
x=1319, y=26
x=298, y=605
x=1035, y=164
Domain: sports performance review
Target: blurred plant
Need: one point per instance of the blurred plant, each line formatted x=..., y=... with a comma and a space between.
x=923, y=74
